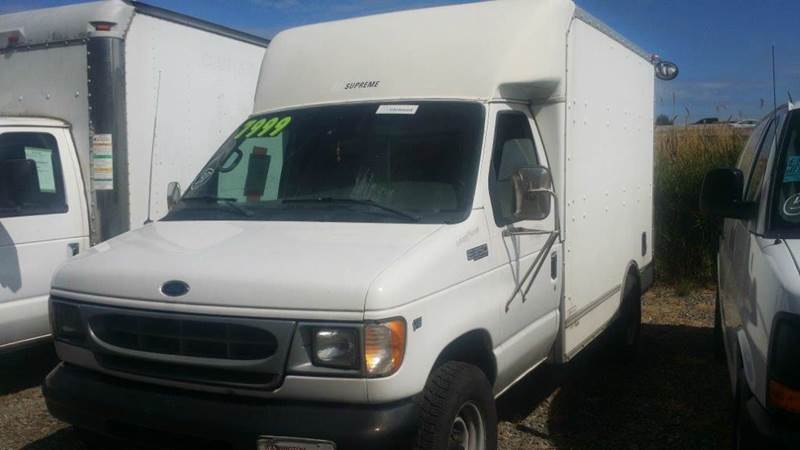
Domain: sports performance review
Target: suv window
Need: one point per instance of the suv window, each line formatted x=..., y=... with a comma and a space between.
x=785, y=215
x=514, y=148
x=31, y=181
x=748, y=155
x=760, y=164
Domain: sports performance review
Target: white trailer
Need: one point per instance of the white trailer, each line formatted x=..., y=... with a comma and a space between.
x=105, y=103
x=424, y=207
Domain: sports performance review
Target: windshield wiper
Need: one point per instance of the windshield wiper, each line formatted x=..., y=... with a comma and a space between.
x=230, y=202
x=354, y=201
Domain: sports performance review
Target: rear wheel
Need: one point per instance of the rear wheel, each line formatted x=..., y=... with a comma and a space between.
x=628, y=328
x=457, y=410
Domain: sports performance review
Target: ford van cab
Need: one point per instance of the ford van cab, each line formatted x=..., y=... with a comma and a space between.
x=89, y=96
x=758, y=297
x=424, y=207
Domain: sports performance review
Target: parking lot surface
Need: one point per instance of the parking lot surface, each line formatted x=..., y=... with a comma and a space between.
x=674, y=396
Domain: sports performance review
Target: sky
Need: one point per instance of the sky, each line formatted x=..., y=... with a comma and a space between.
x=722, y=47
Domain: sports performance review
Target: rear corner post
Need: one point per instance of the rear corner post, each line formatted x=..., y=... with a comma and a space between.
x=109, y=188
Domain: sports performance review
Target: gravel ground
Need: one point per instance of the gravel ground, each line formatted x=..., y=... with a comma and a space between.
x=674, y=396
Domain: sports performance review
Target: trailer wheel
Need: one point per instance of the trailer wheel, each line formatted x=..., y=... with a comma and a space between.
x=628, y=329
x=457, y=410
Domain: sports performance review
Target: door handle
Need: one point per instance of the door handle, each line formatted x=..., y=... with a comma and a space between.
x=554, y=266
x=73, y=248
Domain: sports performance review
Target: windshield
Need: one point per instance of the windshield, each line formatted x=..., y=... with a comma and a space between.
x=786, y=207
x=369, y=162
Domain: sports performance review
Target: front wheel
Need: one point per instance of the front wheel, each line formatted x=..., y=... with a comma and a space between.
x=744, y=434
x=719, y=345
x=457, y=410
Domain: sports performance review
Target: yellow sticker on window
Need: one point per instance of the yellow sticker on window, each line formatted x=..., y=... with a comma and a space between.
x=263, y=127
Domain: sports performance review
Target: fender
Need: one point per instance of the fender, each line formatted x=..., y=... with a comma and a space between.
x=746, y=358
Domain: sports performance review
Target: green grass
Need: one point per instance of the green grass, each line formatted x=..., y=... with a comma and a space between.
x=686, y=239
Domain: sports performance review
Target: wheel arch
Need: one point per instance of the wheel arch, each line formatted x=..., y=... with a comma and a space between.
x=474, y=347
x=631, y=274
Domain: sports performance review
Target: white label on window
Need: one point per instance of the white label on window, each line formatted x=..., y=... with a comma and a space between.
x=102, y=162
x=397, y=109
x=43, y=157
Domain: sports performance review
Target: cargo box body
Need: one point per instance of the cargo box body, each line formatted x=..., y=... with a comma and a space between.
x=198, y=78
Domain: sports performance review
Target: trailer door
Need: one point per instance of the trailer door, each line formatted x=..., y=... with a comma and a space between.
x=42, y=223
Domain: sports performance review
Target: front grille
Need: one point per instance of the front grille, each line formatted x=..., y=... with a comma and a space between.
x=185, y=337
x=190, y=374
x=239, y=352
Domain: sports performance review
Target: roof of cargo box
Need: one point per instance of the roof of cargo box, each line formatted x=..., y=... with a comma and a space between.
x=513, y=49
x=74, y=23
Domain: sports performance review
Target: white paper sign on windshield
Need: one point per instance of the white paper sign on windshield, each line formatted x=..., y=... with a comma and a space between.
x=397, y=109
x=43, y=157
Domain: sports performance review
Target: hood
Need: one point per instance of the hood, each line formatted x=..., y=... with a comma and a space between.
x=287, y=265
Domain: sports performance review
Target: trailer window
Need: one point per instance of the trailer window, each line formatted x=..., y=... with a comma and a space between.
x=370, y=162
x=514, y=148
x=30, y=175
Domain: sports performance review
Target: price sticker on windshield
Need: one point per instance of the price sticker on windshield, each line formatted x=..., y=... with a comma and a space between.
x=262, y=127
x=792, y=173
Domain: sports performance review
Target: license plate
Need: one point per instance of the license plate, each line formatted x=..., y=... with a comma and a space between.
x=282, y=443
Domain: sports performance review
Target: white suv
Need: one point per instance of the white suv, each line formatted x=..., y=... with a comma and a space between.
x=758, y=299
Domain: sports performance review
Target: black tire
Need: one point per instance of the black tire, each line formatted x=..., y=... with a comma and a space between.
x=745, y=436
x=94, y=441
x=627, y=331
x=719, y=345
x=450, y=389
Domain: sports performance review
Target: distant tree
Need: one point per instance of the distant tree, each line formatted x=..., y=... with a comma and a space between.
x=663, y=119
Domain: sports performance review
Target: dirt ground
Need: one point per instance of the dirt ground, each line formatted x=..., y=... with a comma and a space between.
x=674, y=396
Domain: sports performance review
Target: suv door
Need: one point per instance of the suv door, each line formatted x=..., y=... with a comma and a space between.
x=529, y=323
x=41, y=225
x=740, y=245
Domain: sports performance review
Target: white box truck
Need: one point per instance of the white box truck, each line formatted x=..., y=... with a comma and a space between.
x=424, y=207
x=101, y=104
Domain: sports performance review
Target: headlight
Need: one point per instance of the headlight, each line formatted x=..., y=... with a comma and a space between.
x=384, y=347
x=784, y=364
x=67, y=323
x=335, y=347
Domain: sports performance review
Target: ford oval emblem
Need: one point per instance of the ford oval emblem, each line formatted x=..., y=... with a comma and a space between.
x=174, y=288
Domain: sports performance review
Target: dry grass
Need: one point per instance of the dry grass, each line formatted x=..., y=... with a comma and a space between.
x=686, y=239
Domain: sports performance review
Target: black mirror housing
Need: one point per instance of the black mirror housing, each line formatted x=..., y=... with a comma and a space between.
x=532, y=193
x=721, y=194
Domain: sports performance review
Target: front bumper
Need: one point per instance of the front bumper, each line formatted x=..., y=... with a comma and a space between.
x=776, y=433
x=127, y=409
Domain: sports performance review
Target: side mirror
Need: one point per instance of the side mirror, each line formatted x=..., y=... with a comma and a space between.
x=721, y=195
x=19, y=182
x=532, y=193
x=666, y=70
x=173, y=194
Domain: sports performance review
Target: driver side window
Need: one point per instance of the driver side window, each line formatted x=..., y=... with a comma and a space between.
x=514, y=148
